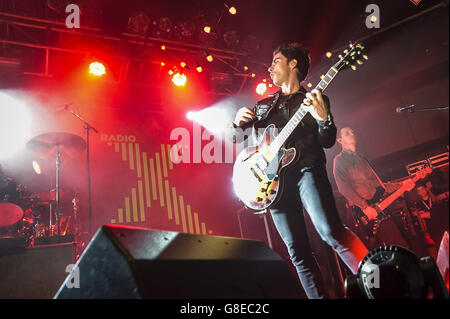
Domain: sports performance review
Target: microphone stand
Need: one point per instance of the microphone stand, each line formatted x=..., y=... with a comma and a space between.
x=443, y=108
x=87, y=128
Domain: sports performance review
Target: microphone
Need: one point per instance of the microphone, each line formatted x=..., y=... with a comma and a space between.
x=62, y=108
x=409, y=108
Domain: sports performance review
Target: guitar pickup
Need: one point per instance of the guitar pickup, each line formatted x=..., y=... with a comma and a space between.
x=256, y=174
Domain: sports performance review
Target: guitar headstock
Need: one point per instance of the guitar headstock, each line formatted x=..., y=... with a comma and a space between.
x=421, y=173
x=351, y=57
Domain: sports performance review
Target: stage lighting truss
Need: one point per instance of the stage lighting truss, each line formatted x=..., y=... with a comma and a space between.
x=148, y=37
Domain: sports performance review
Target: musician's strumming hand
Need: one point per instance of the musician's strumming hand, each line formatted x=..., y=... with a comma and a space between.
x=243, y=115
x=316, y=105
x=370, y=212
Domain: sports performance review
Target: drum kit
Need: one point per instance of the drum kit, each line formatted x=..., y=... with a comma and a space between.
x=22, y=214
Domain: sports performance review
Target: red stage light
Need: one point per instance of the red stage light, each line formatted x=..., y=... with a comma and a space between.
x=163, y=64
x=183, y=64
x=97, y=69
x=210, y=58
x=261, y=88
x=199, y=69
x=232, y=10
x=207, y=29
x=179, y=79
x=163, y=47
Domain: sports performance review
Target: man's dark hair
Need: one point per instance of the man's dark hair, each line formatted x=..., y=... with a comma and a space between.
x=296, y=51
x=340, y=130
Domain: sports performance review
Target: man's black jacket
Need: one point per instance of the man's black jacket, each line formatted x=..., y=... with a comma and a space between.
x=310, y=136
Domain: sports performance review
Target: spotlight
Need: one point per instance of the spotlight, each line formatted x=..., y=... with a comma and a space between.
x=179, y=79
x=163, y=47
x=190, y=115
x=164, y=25
x=97, y=69
x=185, y=30
x=15, y=125
x=230, y=38
x=209, y=57
x=138, y=23
x=207, y=29
x=182, y=64
x=261, y=88
x=232, y=10
x=36, y=167
x=199, y=68
x=163, y=64
x=329, y=54
x=170, y=72
x=253, y=75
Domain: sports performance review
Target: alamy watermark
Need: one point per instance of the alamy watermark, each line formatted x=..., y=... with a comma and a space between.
x=370, y=275
x=373, y=19
x=73, y=280
x=73, y=19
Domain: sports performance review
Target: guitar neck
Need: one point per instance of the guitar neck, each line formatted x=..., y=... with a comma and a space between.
x=281, y=138
x=399, y=192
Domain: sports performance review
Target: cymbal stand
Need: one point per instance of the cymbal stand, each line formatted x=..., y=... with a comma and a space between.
x=57, y=208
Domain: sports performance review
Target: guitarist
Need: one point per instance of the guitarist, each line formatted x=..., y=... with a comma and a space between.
x=362, y=188
x=306, y=184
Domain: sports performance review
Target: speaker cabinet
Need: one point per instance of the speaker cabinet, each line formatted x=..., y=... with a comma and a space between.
x=129, y=262
x=33, y=273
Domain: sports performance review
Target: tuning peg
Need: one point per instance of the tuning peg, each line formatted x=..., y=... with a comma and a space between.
x=365, y=57
x=340, y=56
x=345, y=51
x=359, y=62
x=353, y=67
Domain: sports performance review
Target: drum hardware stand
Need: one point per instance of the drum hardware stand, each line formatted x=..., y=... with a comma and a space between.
x=57, y=209
x=87, y=128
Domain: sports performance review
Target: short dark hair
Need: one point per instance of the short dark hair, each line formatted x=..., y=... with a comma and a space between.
x=340, y=129
x=295, y=50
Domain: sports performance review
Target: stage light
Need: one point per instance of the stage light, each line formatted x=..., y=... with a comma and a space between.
x=230, y=38
x=179, y=79
x=170, y=72
x=199, y=68
x=232, y=10
x=265, y=80
x=36, y=167
x=163, y=47
x=190, y=115
x=183, y=64
x=253, y=75
x=138, y=23
x=207, y=29
x=163, y=64
x=97, y=69
x=209, y=57
x=15, y=125
x=270, y=85
x=329, y=54
x=245, y=68
x=261, y=88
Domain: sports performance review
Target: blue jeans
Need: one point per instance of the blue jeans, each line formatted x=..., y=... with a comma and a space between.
x=312, y=191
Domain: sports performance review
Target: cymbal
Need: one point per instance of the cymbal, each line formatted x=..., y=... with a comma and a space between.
x=46, y=145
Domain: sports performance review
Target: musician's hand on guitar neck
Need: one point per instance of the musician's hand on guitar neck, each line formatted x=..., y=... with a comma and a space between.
x=244, y=115
x=370, y=212
x=316, y=105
